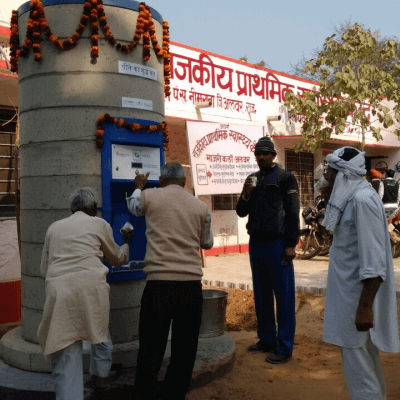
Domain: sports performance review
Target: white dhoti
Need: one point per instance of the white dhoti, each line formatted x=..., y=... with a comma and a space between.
x=363, y=372
x=67, y=368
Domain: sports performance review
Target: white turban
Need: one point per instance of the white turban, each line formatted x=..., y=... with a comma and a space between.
x=349, y=180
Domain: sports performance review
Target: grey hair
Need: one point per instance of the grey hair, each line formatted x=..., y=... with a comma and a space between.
x=173, y=171
x=83, y=199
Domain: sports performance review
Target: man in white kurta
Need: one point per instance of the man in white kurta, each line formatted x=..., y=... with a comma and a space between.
x=360, y=254
x=77, y=302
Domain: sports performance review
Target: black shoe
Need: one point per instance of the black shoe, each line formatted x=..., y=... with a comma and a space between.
x=261, y=347
x=278, y=358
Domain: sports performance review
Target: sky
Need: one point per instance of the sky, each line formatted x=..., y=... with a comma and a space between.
x=278, y=32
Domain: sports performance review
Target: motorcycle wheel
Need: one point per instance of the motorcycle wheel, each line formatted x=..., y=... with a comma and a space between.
x=307, y=247
x=324, y=252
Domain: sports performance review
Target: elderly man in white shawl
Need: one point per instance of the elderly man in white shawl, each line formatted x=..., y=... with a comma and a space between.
x=360, y=307
x=77, y=294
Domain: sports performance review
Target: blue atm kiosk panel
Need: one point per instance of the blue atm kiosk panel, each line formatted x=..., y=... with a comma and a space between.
x=124, y=155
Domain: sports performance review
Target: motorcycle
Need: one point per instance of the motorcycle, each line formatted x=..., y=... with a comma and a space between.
x=317, y=240
x=313, y=240
x=394, y=233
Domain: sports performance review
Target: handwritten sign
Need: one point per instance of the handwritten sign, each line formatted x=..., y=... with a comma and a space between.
x=137, y=70
x=221, y=155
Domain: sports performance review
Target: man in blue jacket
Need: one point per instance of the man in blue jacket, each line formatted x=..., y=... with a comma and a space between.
x=272, y=205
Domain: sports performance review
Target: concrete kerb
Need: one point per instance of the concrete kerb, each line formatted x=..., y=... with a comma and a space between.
x=246, y=286
x=249, y=286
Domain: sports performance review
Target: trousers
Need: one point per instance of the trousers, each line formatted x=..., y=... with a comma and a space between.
x=67, y=367
x=363, y=372
x=163, y=302
x=273, y=277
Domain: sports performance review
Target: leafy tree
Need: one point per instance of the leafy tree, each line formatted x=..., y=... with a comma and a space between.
x=338, y=30
x=262, y=63
x=356, y=71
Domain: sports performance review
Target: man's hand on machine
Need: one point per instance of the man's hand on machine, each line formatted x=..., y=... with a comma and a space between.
x=141, y=180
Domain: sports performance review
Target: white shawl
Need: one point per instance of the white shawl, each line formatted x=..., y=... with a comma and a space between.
x=349, y=180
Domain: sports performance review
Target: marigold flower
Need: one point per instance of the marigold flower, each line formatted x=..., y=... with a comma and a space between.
x=100, y=132
x=120, y=123
x=94, y=25
x=75, y=37
x=106, y=28
x=94, y=2
x=103, y=19
x=38, y=57
x=99, y=143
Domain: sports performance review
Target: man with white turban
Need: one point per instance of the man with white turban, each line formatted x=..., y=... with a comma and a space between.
x=360, y=306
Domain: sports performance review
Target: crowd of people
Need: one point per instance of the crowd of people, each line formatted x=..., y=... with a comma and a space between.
x=360, y=309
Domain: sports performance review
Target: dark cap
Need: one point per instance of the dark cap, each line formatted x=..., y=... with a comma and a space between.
x=265, y=144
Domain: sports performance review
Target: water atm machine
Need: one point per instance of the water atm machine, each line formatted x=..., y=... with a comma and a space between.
x=126, y=154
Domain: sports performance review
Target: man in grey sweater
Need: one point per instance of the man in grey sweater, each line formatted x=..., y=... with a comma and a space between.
x=177, y=226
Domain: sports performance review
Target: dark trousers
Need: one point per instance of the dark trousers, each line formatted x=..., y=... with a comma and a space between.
x=273, y=277
x=163, y=302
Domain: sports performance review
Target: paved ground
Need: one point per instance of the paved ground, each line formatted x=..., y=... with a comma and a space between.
x=233, y=270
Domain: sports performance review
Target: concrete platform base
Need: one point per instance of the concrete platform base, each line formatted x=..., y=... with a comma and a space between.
x=215, y=357
x=18, y=353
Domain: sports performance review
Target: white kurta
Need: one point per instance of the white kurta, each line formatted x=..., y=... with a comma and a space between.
x=361, y=250
x=77, y=295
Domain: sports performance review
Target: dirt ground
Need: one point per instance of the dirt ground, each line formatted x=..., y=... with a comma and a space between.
x=314, y=373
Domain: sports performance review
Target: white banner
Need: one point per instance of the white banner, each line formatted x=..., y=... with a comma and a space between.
x=221, y=156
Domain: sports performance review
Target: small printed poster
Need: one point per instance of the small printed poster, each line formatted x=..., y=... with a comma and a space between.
x=141, y=104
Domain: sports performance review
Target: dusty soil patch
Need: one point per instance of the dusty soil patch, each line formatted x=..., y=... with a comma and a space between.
x=314, y=373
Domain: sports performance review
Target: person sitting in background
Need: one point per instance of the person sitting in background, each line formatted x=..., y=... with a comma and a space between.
x=77, y=302
x=376, y=180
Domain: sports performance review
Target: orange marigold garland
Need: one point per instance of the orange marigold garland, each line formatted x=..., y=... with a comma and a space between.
x=14, y=42
x=121, y=123
x=93, y=12
x=167, y=60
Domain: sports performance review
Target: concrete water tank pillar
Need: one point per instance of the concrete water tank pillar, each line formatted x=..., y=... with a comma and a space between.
x=60, y=99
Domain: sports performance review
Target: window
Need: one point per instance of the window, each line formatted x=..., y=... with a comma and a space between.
x=225, y=201
x=7, y=162
x=301, y=165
